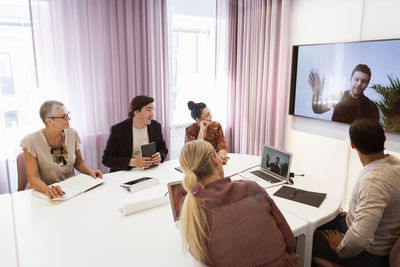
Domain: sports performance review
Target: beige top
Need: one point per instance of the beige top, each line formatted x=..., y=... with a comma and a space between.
x=140, y=137
x=50, y=171
x=374, y=212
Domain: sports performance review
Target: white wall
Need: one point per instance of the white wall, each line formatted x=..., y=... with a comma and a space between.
x=322, y=147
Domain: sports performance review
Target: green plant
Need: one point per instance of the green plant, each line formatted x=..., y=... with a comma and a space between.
x=389, y=105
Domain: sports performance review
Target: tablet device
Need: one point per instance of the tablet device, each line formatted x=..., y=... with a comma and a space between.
x=140, y=184
x=136, y=181
x=148, y=150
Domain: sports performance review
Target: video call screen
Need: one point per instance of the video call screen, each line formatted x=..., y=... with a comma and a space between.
x=334, y=63
x=276, y=161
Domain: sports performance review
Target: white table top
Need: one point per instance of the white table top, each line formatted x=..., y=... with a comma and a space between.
x=8, y=250
x=89, y=230
x=313, y=215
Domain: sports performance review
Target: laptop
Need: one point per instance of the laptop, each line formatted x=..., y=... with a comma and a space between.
x=274, y=168
x=176, y=196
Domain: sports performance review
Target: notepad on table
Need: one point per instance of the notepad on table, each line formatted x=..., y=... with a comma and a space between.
x=139, y=206
x=73, y=186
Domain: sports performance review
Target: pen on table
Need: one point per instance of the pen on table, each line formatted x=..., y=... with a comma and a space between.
x=294, y=193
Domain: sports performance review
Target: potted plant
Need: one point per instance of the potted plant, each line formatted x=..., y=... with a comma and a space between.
x=389, y=105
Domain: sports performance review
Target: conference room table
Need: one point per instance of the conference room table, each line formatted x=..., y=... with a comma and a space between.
x=314, y=216
x=90, y=230
x=8, y=256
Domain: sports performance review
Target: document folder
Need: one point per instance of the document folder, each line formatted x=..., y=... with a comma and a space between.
x=306, y=197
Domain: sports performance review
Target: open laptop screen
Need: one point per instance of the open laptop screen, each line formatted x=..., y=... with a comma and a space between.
x=177, y=195
x=276, y=162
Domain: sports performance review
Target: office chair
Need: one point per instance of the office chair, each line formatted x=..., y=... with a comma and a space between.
x=320, y=262
x=394, y=256
x=22, y=178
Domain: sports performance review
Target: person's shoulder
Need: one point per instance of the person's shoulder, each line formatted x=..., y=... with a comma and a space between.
x=33, y=136
x=251, y=186
x=192, y=126
x=372, y=103
x=154, y=126
x=343, y=95
x=123, y=124
x=215, y=125
x=155, y=123
x=382, y=169
x=70, y=131
x=392, y=164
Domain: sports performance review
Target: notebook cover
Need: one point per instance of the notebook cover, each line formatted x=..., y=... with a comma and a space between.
x=148, y=150
x=306, y=197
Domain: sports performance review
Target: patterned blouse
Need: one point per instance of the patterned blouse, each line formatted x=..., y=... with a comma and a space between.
x=214, y=135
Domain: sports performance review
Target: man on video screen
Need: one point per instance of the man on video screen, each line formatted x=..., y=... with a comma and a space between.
x=273, y=165
x=353, y=104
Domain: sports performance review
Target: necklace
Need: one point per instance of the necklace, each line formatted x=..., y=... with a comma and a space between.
x=59, y=153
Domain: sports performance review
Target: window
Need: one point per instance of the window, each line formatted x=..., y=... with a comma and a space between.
x=6, y=79
x=193, y=37
x=18, y=89
x=11, y=119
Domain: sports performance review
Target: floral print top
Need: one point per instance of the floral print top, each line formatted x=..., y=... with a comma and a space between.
x=215, y=135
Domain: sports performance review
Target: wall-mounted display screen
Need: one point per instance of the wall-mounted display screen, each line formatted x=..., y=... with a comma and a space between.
x=345, y=81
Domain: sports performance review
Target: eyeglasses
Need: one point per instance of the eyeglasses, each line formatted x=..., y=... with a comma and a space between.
x=66, y=116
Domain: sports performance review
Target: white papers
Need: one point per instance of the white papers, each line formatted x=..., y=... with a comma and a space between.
x=138, y=206
x=72, y=187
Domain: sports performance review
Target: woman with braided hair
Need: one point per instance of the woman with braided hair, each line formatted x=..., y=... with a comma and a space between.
x=230, y=223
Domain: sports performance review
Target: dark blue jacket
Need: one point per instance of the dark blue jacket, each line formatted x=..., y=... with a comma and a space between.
x=118, y=151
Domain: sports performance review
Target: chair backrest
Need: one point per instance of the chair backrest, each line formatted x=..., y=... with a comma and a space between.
x=394, y=256
x=320, y=262
x=22, y=178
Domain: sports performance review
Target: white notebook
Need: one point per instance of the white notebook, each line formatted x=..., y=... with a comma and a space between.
x=139, y=206
x=73, y=186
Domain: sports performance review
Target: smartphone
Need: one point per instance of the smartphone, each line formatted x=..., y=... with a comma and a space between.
x=128, y=184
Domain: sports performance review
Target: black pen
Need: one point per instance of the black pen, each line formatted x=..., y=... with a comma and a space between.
x=294, y=193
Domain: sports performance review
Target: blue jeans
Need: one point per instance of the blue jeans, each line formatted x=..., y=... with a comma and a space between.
x=322, y=249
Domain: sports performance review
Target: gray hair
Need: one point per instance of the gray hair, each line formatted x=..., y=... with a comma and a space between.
x=49, y=109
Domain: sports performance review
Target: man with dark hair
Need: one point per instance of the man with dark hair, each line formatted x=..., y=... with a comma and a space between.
x=365, y=236
x=122, y=150
x=349, y=105
x=274, y=166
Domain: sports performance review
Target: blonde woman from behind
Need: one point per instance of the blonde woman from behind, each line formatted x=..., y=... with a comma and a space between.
x=230, y=223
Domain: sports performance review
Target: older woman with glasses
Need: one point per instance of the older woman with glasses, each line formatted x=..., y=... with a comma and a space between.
x=52, y=153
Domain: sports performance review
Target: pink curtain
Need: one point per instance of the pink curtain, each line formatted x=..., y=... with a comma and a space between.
x=95, y=56
x=257, y=69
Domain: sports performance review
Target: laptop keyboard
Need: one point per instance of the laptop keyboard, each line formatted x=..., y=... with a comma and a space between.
x=266, y=176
